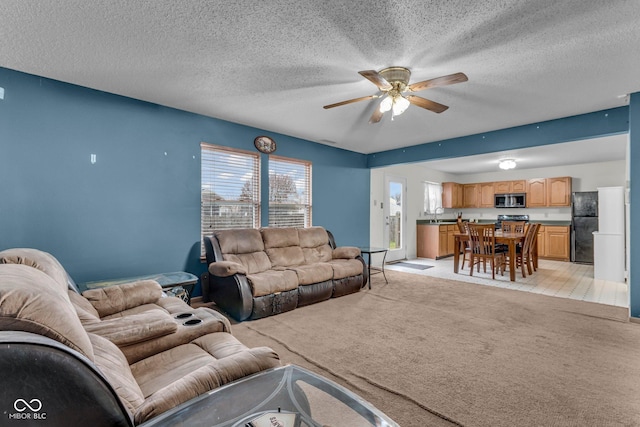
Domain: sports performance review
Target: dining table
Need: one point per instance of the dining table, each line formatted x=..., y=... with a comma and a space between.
x=505, y=238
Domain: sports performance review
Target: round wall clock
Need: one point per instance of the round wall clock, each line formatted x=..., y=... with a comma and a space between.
x=265, y=144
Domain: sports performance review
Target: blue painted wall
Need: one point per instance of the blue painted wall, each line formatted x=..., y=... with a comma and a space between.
x=137, y=209
x=584, y=126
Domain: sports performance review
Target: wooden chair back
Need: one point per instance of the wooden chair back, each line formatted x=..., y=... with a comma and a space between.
x=513, y=226
x=482, y=239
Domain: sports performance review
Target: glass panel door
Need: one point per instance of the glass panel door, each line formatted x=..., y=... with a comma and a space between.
x=395, y=217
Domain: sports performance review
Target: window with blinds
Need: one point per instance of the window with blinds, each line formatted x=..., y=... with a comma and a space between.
x=230, y=189
x=289, y=192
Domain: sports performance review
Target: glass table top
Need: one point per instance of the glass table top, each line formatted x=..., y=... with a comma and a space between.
x=288, y=396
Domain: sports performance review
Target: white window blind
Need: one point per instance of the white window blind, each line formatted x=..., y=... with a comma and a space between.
x=230, y=191
x=289, y=192
x=432, y=197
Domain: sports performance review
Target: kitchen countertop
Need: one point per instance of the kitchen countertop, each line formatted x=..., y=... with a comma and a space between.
x=487, y=221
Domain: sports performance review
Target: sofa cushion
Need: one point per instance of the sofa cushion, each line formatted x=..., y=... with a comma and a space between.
x=239, y=241
x=346, y=267
x=86, y=313
x=112, y=363
x=272, y=281
x=192, y=369
x=41, y=260
x=255, y=262
x=114, y=299
x=31, y=301
x=313, y=273
x=314, y=242
x=282, y=246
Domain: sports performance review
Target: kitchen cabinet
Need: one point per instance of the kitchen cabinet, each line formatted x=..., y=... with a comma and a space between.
x=505, y=187
x=559, y=191
x=452, y=195
x=435, y=240
x=470, y=195
x=553, y=242
x=519, y=186
x=486, y=199
x=536, y=193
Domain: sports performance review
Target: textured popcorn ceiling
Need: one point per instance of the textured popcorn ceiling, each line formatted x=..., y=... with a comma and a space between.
x=274, y=64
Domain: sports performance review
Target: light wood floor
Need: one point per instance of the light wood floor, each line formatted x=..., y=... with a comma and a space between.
x=555, y=278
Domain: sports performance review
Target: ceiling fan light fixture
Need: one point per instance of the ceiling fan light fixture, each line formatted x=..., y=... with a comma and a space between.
x=506, y=164
x=386, y=104
x=400, y=105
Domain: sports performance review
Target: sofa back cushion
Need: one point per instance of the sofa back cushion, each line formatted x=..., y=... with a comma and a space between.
x=41, y=260
x=245, y=247
x=282, y=246
x=314, y=242
x=31, y=302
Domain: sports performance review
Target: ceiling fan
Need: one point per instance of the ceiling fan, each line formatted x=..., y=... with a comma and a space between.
x=393, y=82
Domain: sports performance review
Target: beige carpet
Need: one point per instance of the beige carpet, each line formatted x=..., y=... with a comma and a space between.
x=426, y=350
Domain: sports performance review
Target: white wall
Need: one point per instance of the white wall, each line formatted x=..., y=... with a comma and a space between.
x=585, y=177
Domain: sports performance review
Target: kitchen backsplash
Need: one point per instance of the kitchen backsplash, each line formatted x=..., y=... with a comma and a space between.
x=535, y=214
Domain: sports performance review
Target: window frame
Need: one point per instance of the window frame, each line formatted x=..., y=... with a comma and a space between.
x=208, y=171
x=275, y=220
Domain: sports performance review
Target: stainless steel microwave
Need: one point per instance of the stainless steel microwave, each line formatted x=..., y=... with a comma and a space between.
x=511, y=200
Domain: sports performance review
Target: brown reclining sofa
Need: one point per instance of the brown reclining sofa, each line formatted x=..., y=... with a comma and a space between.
x=257, y=273
x=116, y=356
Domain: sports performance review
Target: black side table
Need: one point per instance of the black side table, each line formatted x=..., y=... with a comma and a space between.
x=370, y=251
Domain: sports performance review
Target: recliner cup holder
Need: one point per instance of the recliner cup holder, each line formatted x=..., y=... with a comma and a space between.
x=192, y=322
x=183, y=315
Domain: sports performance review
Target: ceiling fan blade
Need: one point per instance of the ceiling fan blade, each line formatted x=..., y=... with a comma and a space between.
x=438, y=81
x=375, y=78
x=350, y=101
x=427, y=104
x=376, y=116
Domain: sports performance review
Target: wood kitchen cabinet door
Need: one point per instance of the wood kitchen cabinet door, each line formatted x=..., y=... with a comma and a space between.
x=486, y=195
x=559, y=191
x=557, y=242
x=502, y=187
x=443, y=250
x=451, y=239
x=542, y=242
x=452, y=196
x=537, y=193
x=470, y=196
x=519, y=186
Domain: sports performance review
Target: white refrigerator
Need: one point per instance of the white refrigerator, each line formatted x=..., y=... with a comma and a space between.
x=608, y=241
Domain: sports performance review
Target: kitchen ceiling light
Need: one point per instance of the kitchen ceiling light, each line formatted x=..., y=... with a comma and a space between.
x=507, y=164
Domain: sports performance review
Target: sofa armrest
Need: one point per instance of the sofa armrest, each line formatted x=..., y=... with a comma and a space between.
x=346, y=252
x=226, y=268
x=135, y=328
x=114, y=299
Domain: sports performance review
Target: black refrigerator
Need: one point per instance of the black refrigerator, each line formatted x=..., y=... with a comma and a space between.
x=584, y=221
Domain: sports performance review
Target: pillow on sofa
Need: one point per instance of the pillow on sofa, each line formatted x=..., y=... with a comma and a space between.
x=114, y=299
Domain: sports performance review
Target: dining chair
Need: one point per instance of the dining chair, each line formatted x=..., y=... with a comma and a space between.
x=513, y=226
x=466, y=255
x=482, y=240
x=524, y=255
